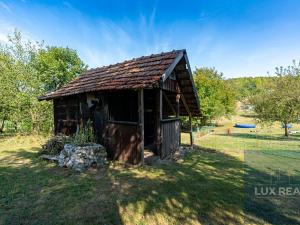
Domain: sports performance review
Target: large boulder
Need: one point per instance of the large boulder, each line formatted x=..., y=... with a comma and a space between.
x=80, y=158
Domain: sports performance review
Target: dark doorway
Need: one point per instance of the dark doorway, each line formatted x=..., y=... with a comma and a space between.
x=98, y=118
x=149, y=117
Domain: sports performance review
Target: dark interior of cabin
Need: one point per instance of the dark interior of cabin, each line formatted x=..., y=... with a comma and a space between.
x=150, y=118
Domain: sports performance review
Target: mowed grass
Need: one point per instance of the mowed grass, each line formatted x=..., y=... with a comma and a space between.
x=262, y=138
x=207, y=187
x=270, y=159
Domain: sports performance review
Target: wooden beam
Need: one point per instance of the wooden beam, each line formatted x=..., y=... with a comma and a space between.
x=191, y=131
x=141, y=121
x=124, y=122
x=177, y=105
x=55, y=116
x=188, y=95
x=169, y=120
x=160, y=104
x=169, y=103
x=190, y=119
x=192, y=80
x=172, y=66
x=185, y=104
x=158, y=138
x=178, y=115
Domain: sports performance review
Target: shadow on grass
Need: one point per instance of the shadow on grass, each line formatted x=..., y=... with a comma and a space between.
x=263, y=137
x=37, y=192
x=6, y=135
x=207, y=187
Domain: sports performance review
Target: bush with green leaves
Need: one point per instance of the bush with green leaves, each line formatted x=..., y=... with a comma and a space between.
x=84, y=135
x=55, y=144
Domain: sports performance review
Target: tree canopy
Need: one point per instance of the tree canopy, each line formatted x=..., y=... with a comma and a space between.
x=280, y=100
x=248, y=86
x=57, y=66
x=28, y=70
x=217, y=98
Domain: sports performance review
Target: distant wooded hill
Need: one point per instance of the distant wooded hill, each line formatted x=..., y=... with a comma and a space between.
x=247, y=86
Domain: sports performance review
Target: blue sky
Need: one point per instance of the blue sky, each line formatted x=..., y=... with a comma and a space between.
x=237, y=37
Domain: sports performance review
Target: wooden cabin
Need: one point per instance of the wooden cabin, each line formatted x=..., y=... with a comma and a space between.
x=133, y=105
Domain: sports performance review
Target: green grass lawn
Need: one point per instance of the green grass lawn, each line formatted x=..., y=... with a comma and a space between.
x=207, y=187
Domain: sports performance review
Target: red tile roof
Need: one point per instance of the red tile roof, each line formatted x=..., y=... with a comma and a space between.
x=143, y=72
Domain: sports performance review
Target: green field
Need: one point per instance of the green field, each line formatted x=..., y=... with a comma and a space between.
x=207, y=187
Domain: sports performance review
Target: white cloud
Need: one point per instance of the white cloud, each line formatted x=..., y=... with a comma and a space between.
x=99, y=41
x=69, y=6
x=5, y=29
x=110, y=44
x=5, y=7
x=114, y=42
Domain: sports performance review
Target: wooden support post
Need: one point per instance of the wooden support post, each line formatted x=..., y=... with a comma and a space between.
x=158, y=138
x=141, y=121
x=191, y=131
x=177, y=105
x=160, y=104
x=185, y=104
x=178, y=115
x=55, y=117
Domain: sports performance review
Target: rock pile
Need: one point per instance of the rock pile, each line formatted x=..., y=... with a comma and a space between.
x=80, y=158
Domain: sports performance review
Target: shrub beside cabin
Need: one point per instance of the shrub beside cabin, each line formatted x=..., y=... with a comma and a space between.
x=133, y=105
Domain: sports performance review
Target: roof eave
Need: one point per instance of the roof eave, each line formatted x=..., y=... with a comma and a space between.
x=168, y=71
x=192, y=80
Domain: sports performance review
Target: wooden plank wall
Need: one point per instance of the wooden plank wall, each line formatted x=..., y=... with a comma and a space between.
x=123, y=142
x=170, y=127
x=170, y=137
x=171, y=85
x=66, y=115
x=121, y=138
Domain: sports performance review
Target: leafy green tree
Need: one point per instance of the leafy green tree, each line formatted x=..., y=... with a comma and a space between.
x=247, y=86
x=57, y=66
x=21, y=82
x=7, y=92
x=217, y=98
x=28, y=70
x=280, y=100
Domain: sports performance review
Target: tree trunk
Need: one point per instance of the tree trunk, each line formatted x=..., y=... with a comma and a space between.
x=16, y=126
x=2, y=125
x=286, y=130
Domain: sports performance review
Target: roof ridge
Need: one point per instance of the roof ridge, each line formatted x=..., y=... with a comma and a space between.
x=135, y=59
x=129, y=74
